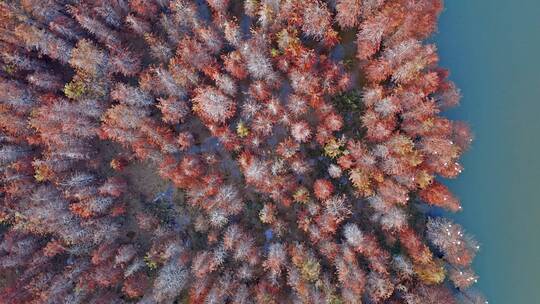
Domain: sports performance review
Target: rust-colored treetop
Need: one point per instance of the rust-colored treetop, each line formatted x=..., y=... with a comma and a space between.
x=301, y=147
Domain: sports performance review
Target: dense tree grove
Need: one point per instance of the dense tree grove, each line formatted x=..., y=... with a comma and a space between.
x=309, y=173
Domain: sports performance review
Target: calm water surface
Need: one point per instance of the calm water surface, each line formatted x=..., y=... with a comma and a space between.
x=492, y=49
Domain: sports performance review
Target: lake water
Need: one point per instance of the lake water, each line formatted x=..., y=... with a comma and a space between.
x=492, y=49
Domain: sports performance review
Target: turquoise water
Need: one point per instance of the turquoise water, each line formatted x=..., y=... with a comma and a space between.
x=492, y=49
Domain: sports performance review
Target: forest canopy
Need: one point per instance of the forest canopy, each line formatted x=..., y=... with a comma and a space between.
x=256, y=151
